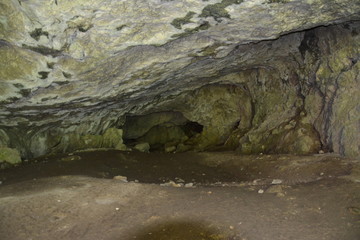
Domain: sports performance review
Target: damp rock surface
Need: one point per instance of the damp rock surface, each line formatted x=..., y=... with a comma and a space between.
x=200, y=169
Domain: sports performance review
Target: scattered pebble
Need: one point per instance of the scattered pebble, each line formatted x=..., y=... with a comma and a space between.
x=117, y=209
x=58, y=200
x=171, y=184
x=136, y=181
x=276, y=181
x=321, y=152
x=256, y=181
x=277, y=189
x=0, y=182
x=121, y=178
x=261, y=191
x=231, y=227
x=179, y=180
x=170, y=149
x=70, y=158
x=189, y=185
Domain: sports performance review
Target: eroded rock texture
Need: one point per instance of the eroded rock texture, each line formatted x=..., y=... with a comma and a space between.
x=255, y=76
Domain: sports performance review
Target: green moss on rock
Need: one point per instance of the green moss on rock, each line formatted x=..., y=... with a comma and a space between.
x=217, y=10
x=9, y=155
x=178, y=22
x=4, y=139
x=298, y=139
x=112, y=138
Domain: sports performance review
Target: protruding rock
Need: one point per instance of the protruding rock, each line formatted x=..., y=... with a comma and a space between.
x=9, y=155
x=142, y=147
x=121, y=178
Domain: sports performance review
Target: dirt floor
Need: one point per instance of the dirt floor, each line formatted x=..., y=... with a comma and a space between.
x=204, y=196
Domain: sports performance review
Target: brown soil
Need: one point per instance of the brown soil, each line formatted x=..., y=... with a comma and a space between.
x=75, y=197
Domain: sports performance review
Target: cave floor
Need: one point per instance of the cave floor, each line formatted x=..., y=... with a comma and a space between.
x=226, y=196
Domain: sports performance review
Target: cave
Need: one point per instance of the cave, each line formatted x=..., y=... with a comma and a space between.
x=160, y=131
x=180, y=119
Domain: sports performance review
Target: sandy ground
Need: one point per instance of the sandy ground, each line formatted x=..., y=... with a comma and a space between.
x=233, y=197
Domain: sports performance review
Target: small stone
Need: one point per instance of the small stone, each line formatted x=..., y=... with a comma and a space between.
x=0, y=182
x=170, y=184
x=261, y=191
x=142, y=147
x=117, y=209
x=170, y=149
x=231, y=227
x=136, y=181
x=275, y=189
x=179, y=180
x=321, y=152
x=120, y=178
x=189, y=185
x=276, y=181
x=121, y=146
x=58, y=200
x=70, y=158
x=256, y=181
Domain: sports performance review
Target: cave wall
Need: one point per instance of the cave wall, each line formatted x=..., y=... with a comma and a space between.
x=70, y=71
x=297, y=94
x=302, y=94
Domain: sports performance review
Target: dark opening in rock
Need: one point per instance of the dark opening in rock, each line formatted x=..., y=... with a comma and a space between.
x=192, y=128
x=37, y=33
x=43, y=74
x=160, y=131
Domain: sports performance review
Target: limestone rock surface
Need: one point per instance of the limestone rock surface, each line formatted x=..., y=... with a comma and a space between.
x=9, y=156
x=258, y=75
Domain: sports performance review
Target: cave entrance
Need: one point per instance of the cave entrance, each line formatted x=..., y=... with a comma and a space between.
x=167, y=131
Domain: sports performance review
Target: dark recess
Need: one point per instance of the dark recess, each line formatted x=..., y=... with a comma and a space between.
x=43, y=74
